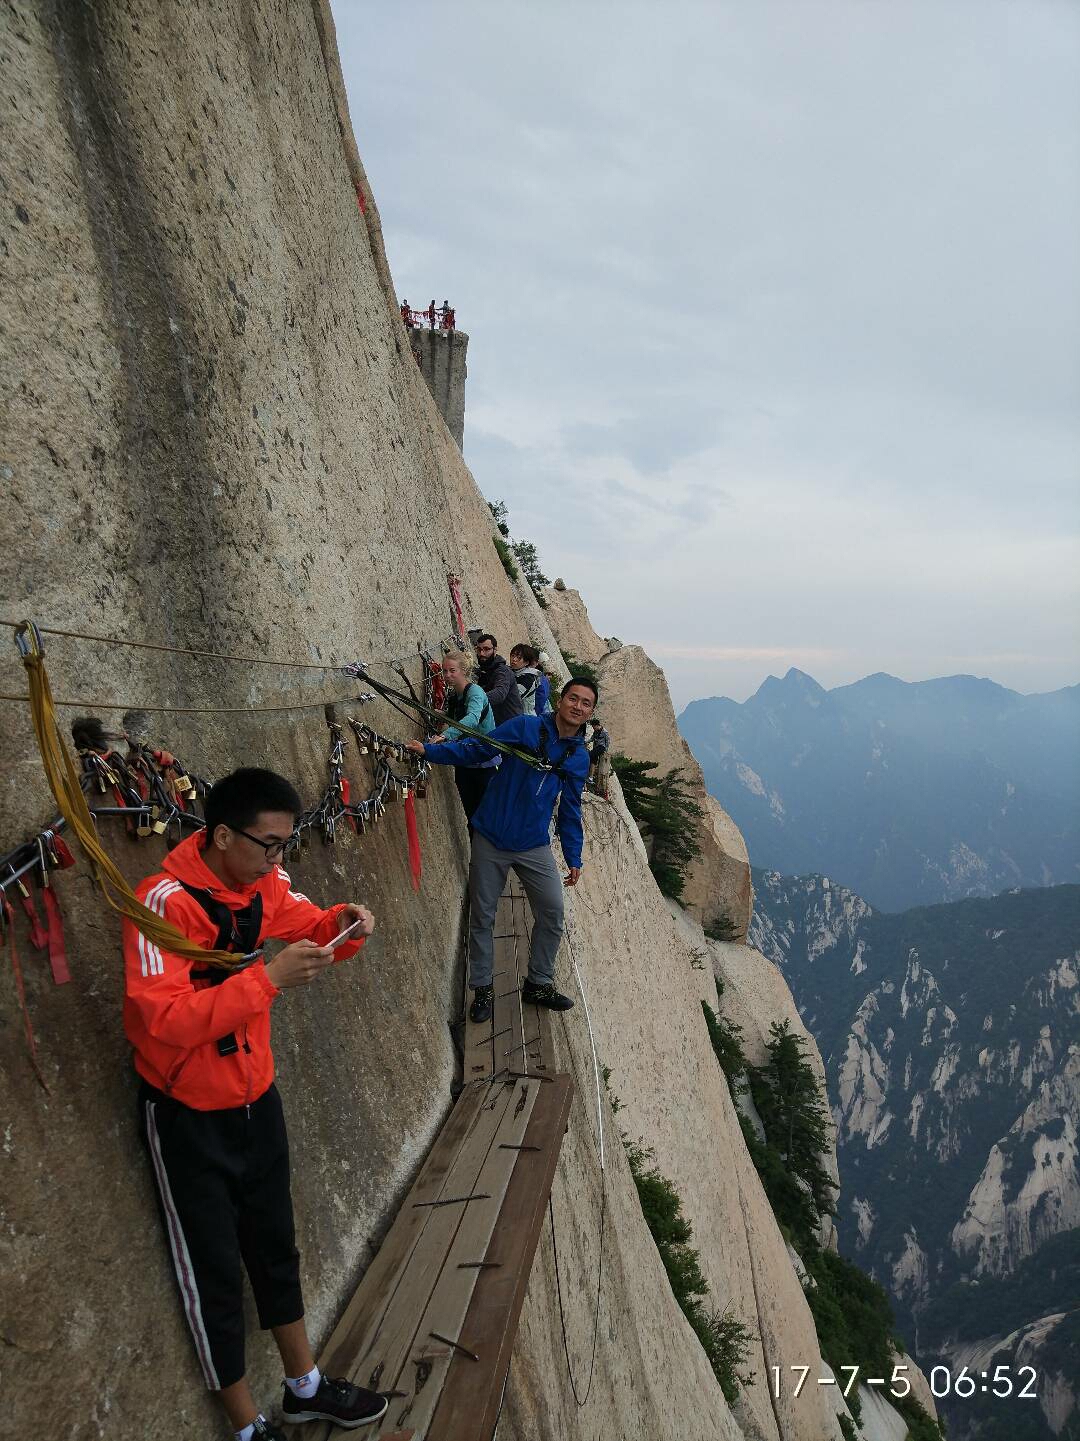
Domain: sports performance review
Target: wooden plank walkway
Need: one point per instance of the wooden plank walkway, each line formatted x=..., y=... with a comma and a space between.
x=470, y=1216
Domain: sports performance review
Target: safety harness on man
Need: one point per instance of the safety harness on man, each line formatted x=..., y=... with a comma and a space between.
x=237, y=933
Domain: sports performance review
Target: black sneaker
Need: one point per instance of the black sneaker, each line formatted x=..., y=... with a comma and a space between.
x=480, y=1010
x=534, y=995
x=338, y=1401
x=265, y=1432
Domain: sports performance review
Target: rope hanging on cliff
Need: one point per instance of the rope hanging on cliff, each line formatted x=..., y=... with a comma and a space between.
x=66, y=786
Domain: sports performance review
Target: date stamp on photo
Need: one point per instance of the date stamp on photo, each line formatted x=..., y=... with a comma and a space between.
x=965, y=1384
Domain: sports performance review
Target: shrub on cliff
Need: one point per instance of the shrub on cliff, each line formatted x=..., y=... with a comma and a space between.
x=517, y=554
x=667, y=815
x=724, y=1338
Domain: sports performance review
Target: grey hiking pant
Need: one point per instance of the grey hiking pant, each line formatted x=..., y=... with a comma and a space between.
x=539, y=875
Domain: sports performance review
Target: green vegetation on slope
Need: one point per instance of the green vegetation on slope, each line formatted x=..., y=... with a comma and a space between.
x=667, y=815
x=851, y=1312
x=724, y=1338
x=1042, y=1284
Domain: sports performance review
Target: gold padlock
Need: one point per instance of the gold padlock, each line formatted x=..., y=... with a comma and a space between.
x=182, y=783
x=160, y=827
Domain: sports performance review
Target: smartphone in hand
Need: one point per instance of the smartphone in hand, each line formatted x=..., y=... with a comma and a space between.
x=345, y=934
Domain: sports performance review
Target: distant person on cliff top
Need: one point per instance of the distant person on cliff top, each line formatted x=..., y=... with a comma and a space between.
x=497, y=680
x=510, y=831
x=209, y=1112
x=524, y=663
x=466, y=702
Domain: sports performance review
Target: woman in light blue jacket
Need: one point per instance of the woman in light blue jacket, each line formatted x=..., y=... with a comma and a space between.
x=466, y=702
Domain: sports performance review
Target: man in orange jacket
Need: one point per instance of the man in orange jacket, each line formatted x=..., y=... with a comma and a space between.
x=209, y=1111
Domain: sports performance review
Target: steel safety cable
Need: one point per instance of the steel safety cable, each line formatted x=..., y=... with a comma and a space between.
x=281, y=663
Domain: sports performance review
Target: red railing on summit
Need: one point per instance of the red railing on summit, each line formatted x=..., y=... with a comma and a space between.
x=435, y=317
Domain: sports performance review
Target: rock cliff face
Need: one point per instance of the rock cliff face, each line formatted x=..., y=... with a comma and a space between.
x=216, y=437
x=636, y=708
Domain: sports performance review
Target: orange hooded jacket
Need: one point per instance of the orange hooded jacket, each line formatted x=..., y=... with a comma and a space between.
x=174, y=1022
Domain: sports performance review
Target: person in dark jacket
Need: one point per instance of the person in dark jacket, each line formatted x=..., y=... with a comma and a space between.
x=523, y=662
x=510, y=831
x=497, y=680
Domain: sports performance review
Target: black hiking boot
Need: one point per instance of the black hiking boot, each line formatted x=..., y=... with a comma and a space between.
x=534, y=995
x=480, y=1010
x=338, y=1401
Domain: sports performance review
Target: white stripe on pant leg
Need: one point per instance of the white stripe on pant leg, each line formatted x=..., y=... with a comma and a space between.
x=185, y=1273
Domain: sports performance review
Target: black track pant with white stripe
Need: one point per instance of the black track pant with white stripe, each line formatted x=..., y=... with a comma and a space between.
x=223, y=1188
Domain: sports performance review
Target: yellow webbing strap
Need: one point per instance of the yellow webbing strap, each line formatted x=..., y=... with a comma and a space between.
x=64, y=782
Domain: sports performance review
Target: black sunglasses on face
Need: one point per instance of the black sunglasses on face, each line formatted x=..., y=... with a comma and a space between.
x=274, y=849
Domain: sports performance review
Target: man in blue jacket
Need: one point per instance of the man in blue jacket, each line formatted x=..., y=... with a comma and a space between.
x=510, y=831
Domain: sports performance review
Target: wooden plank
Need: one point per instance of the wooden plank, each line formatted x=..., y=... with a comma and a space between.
x=468, y=1406
x=389, y=1336
x=377, y=1285
x=509, y=1037
x=532, y=1050
x=479, y=1041
x=430, y=1358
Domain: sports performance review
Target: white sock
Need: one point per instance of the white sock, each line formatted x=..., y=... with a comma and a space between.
x=246, y=1433
x=304, y=1386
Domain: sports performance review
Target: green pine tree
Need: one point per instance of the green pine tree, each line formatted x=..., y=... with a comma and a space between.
x=668, y=816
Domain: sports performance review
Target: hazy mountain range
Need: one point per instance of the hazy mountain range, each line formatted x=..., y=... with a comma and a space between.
x=908, y=793
x=951, y=1041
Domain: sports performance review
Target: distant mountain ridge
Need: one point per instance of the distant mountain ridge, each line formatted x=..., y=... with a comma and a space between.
x=907, y=792
x=951, y=1041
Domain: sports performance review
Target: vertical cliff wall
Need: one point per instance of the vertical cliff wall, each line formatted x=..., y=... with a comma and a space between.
x=215, y=436
x=440, y=355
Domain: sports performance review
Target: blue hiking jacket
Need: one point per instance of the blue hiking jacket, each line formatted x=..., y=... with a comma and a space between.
x=516, y=810
x=543, y=694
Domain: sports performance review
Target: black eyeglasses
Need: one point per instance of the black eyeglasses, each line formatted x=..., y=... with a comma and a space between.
x=274, y=849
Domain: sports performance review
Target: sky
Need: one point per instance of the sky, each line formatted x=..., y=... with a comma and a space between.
x=774, y=314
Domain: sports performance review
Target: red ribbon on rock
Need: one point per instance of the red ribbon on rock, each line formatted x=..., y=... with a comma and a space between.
x=61, y=972
x=16, y=969
x=414, y=839
x=455, y=599
x=346, y=792
x=39, y=936
x=438, y=684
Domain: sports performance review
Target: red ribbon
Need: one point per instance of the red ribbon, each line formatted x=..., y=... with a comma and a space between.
x=9, y=921
x=39, y=936
x=414, y=839
x=438, y=684
x=455, y=597
x=346, y=792
x=58, y=960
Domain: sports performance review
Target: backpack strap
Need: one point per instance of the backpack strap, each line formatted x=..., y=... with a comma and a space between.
x=237, y=931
